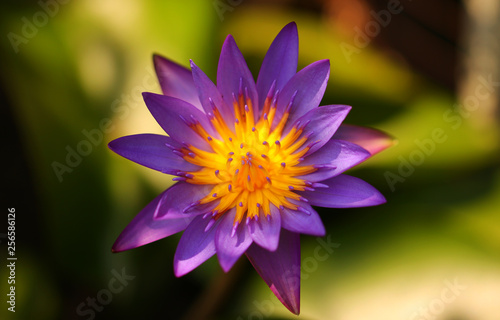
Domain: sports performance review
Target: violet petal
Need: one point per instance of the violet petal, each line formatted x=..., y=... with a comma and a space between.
x=266, y=231
x=344, y=192
x=231, y=69
x=175, y=80
x=308, y=85
x=280, y=62
x=195, y=247
x=370, y=139
x=173, y=114
x=230, y=246
x=180, y=196
x=280, y=269
x=150, y=150
x=322, y=123
x=206, y=91
x=337, y=156
x=302, y=222
x=146, y=228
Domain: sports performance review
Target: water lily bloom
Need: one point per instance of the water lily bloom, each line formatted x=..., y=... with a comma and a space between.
x=250, y=161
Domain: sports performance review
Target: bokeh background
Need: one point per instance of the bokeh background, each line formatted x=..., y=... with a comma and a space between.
x=427, y=72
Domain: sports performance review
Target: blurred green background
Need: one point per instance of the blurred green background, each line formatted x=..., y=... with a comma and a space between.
x=72, y=73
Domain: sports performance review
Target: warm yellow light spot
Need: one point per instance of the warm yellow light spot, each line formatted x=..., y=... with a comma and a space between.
x=252, y=165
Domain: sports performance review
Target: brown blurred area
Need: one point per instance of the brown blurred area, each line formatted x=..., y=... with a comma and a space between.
x=424, y=34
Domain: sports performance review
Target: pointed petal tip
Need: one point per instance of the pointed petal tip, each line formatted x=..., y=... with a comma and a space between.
x=291, y=29
x=294, y=308
x=380, y=143
x=325, y=62
x=118, y=247
x=175, y=80
x=280, y=62
x=192, y=64
x=160, y=61
x=157, y=58
x=266, y=232
x=378, y=199
x=195, y=246
x=342, y=107
x=230, y=247
x=293, y=305
x=391, y=140
x=229, y=41
x=179, y=271
x=183, y=267
x=111, y=145
x=319, y=65
x=225, y=267
x=291, y=24
x=373, y=140
x=123, y=243
x=321, y=233
x=382, y=136
x=305, y=220
x=281, y=269
x=114, y=145
x=147, y=95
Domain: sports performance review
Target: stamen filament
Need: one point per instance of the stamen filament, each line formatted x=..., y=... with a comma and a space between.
x=264, y=174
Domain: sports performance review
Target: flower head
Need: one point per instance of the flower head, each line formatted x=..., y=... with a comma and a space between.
x=250, y=160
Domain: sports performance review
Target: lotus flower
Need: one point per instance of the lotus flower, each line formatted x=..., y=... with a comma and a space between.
x=250, y=161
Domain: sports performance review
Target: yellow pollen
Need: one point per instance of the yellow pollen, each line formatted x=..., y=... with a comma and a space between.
x=252, y=165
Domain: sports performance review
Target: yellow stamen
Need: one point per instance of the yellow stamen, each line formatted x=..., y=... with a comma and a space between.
x=250, y=167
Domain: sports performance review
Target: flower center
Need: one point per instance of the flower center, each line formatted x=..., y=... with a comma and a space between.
x=252, y=164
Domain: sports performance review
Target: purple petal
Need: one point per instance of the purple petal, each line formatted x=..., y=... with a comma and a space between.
x=172, y=115
x=180, y=196
x=175, y=80
x=160, y=218
x=370, y=139
x=195, y=247
x=150, y=150
x=335, y=157
x=305, y=220
x=206, y=91
x=231, y=244
x=280, y=269
x=308, y=85
x=344, y=192
x=231, y=69
x=322, y=124
x=266, y=231
x=280, y=62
